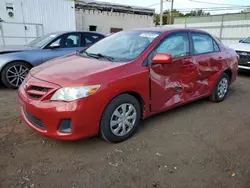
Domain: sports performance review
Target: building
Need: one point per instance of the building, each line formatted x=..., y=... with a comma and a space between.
x=111, y=17
x=21, y=21
x=25, y=20
x=229, y=28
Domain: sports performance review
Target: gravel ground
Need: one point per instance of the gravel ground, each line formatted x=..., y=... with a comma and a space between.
x=199, y=145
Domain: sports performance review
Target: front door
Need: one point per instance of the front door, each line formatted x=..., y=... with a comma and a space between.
x=173, y=83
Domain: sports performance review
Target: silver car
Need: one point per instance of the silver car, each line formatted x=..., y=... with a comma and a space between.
x=16, y=61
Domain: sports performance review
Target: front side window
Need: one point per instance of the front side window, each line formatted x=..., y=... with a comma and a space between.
x=56, y=42
x=203, y=44
x=124, y=46
x=177, y=45
x=40, y=42
x=247, y=40
x=68, y=41
x=72, y=40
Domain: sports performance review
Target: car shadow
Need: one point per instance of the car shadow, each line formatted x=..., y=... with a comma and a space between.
x=172, y=112
x=4, y=88
x=243, y=73
x=96, y=141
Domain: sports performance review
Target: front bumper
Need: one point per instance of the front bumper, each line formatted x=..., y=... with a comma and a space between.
x=244, y=67
x=45, y=117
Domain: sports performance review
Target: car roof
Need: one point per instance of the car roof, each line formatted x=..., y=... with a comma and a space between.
x=65, y=32
x=169, y=29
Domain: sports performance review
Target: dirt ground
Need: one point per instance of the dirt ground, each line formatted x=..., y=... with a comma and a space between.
x=200, y=145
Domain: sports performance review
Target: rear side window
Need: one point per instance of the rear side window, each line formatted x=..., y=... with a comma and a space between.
x=203, y=43
x=91, y=38
x=216, y=47
x=73, y=40
x=177, y=45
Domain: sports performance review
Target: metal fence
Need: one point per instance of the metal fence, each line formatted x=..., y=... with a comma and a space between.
x=13, y=33
x=229, y=28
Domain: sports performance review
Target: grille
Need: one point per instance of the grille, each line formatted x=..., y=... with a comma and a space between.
x=244, y=58
x=38, y=88
x=34, y=96
x=37, y=92
x=36, y=121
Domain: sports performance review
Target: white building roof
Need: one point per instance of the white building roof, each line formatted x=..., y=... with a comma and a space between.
x=113, y=7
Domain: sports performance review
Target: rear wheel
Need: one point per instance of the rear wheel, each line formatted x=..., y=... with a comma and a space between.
x=14, y=73
x=221, y=90
x=120, y=118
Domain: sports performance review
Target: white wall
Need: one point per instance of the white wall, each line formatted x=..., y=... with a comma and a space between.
x=232, y=31
x=51, y=15
x=106, y=20
x=17, y=11
x=55, y=15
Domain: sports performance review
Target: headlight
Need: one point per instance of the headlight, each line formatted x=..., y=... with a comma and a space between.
x=74, y=93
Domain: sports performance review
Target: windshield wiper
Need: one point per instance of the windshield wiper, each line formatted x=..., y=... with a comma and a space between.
x=99, y=56
x=86, y=54
x=105, y=57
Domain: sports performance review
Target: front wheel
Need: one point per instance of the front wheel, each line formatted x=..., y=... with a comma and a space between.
x=221, y=90
x=120, y=118
x=14, y=73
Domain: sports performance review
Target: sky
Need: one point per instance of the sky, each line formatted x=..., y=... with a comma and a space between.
x=183, y=4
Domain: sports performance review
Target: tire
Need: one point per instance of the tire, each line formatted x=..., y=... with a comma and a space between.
x=21, y=70
x=113, y=113
x=217, y=95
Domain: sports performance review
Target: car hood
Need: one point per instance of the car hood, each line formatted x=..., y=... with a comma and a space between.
x=10, y=49
x=241, y=47
x=73, y=70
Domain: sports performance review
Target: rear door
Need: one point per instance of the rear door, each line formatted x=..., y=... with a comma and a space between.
x=208, y=57
x=172, y=83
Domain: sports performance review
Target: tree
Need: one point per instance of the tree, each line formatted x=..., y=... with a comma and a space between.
x=166, y=17
x=176, y=13
x=197, y=13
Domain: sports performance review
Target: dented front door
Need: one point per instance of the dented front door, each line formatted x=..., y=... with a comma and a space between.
x=175, y=82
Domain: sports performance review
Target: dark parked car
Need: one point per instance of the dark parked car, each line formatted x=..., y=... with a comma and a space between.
x=124, y=78
x=16, y=61
x=243, y=50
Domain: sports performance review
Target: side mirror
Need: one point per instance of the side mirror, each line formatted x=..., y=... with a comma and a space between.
x=240, y=41
x=162, y=59
x=53, y=46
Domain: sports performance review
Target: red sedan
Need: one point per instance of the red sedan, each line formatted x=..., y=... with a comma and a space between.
x=126, y=77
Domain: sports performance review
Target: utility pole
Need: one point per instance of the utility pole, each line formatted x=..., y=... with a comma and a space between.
x=161, y=13
x=171, y=11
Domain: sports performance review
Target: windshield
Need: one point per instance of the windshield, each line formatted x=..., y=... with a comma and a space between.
x=40, y=42
x=123, y=46
x=247, y=40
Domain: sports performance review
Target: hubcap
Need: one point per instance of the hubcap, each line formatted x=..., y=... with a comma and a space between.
x=16, y=74
x=222, y=87
x=123, y=119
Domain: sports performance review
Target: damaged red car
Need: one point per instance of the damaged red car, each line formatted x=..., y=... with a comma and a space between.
x=131, y=75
